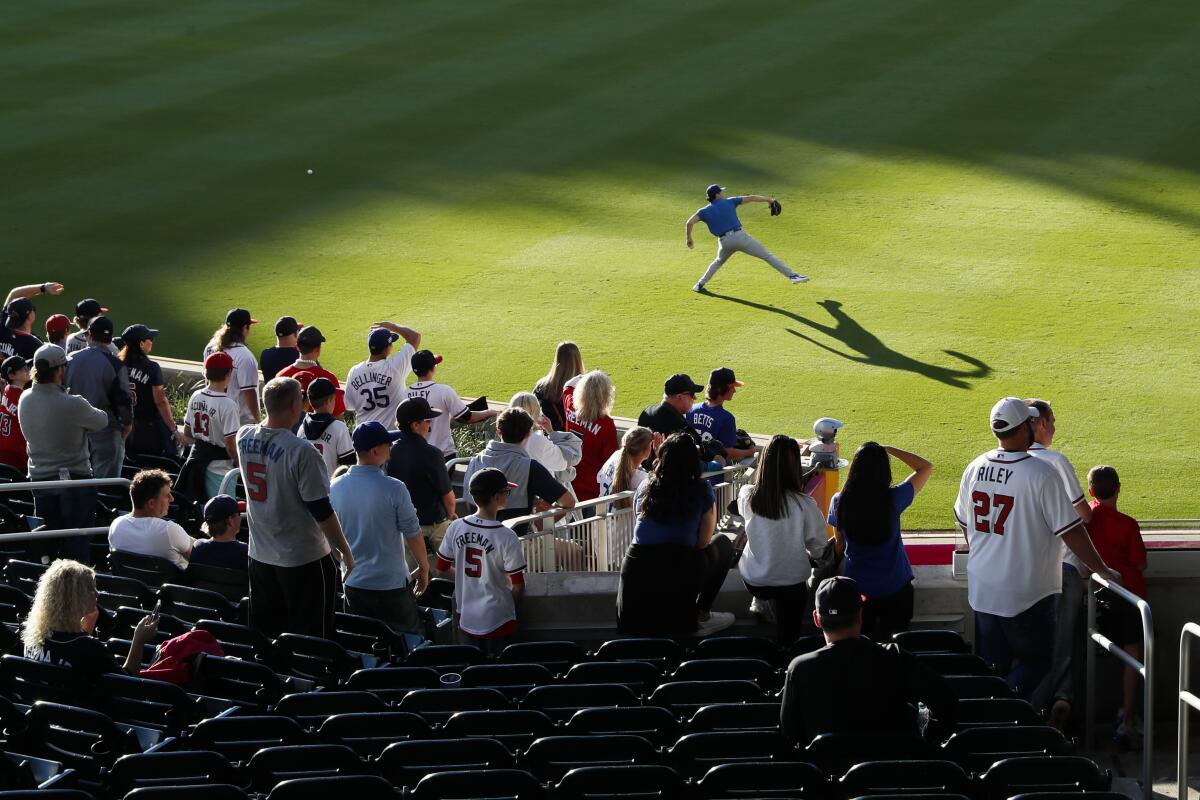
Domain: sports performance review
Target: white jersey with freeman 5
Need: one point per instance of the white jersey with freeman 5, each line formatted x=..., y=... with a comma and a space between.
x=1013, y=508
x=486, y=555
x=374, y=388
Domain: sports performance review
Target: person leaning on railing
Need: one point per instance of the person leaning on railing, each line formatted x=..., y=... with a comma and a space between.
x=557, y=451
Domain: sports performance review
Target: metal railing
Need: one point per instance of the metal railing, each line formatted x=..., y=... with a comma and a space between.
x=1144, y=668
x=1187, y=701
x=60, y=533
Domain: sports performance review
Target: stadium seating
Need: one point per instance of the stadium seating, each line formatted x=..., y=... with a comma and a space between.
x=437, y=705
x=238, y=738
x=640, y=676
x=666, y=653
x=903, y=777
x=632, y=782
x=735, y=717
x=686, y=697
x=495, y=784
x=405, y=763
x=657, y=724
x=514, y=680
x=737, y=647
x=168, y=769
x=244, y=682
x=934, y=641
x=369, y=732
x=272, y=765
x=560, y=701
x=976, y=749
x=515, y=728
x=311, y=709
x=696, y=753
x=391, y=684
x=556, y=656
x=551, y=757
x=1025, y=774
x=347, y=787
x=773, y=779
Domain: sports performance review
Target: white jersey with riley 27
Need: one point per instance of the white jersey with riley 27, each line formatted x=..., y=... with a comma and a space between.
x=374, y=388
x=486, y=556
x=446, y=400
x=1013, y=508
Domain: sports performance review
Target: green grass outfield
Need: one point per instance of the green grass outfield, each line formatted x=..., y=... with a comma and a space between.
x=991, y=198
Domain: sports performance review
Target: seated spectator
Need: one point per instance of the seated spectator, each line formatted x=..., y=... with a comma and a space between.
x=57, y=326
x=375, y=387
x=101, y=378
x=85, y=312
x=713, y=421
x=378, y=519
x=61, y=625
x=307, y=367
x=852, y=684
x=1118, y=540
x=285, y=352
x=677, y=562
x=422, y=469
x=623, y=472
x=784, y=530
x=211, y=424
x=154, y=431
x=557, y=451
x=144, y=530
x=533, y=481
x=444, y=399
x=222, y=521
x=243, y=381
x=327, y=433
x=591, y=418
x=866, y=520
x=568, y=364
x=15, y=374
x=488, y=565
x=670, y=416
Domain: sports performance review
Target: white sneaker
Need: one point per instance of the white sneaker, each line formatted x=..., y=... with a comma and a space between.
x=717, y=621
x=699, y=287
x=761, y=609
x=799, y=279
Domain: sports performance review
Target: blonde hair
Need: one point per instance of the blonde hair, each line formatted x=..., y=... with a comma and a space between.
x=527, y=402
x=636, y=440
x=594, y=395
x=568, y=362
x=65, y=594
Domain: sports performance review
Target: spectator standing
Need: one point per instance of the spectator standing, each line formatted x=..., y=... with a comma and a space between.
x=508, y=455
x=211, y=424
x=1014, y=511
x=85, y=312
x=17, y=317
x=57, y=326
x=557, y=451
x=882, y=683
x=375, y=387
x=671, y=415
x=222, y=521
x=378, y=517
x=13, y=452
x=488, y=565
x=154, y=431
x=307, y=367
x=713, y=421
x=623, y=472
x=328, y=434
x=784, y=530
x=677, y=562
x=292, y=525
x=422, y=469
x=591, y=419
x=144, y=530
x=568, y=364
x=99, y=377
x=243, y=381
x=865, y=516
x=443, y=398
x=285, y=352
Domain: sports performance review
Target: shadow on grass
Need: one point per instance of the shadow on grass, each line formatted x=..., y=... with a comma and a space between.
x=868, y=348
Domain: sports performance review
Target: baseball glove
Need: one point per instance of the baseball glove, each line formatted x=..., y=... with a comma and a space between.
x=776, y=208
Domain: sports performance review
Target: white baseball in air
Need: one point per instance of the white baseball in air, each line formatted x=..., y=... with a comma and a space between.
x=310, y=172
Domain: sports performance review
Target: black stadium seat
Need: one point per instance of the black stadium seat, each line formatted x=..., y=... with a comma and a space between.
x=150, y=570
x=436, y=705
x=728, y=669
x=272, y=765
x=445, y=657
x=802, y=646
x=514, y=680
x=369, y=636
x=666, y=653
x=370, y=732
x=735, y=717
x=311, y=709
x=968, y=687
x=737, y=647
x=633, y=782
x=44, y=794
x=242, y=641
x=337, y=787
x=243, y=682
x=955, y=663
x=563, y=700
x=323, y=661
x=515, y=728
x=655, y=723
x=14, y=604
x=977, y=713
x=26, y=681
x=81, y=739
x=775, y=779
x=23, y=574
x=199, y=791
x=556, y=656
x=115, y=591
x=232, y=584
x=931, y=641
x=240, y=737
x=192, y=605
x=405, y=763
x=835, y=753
x=552, y=757
x=167, y=769
x=976, y=749
x=494, y=784
x=905, y=777
x=1026, y=774
x=641, y=676
x=391, y=684
x=685, y=697
x=696, y=753
x=149, y=703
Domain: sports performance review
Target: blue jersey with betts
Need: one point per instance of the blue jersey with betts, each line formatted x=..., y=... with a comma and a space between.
x=714, y=422
x=721, y=215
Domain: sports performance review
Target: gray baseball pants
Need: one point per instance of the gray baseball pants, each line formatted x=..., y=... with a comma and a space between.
x=740, y=241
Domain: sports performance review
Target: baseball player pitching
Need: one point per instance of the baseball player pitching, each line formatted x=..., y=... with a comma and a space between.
x=720, y=215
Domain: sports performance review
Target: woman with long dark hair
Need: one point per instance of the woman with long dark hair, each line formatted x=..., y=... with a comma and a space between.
x=677, y=562
x=567, y=366
x=154, y=432
x=866, y=520
x=784, y=529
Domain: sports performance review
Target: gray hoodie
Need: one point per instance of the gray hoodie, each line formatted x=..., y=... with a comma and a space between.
x=56, y=425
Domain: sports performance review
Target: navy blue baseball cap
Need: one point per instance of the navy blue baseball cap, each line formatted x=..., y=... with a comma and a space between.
x=19, y=310
x=839, y=599
x=714, y=189
x=379, y=339
x=101, y=328
x=310, y=336
x=13, y=364
x=222, y=506
x=239, y=318
x=372, y=434
x=138, y=333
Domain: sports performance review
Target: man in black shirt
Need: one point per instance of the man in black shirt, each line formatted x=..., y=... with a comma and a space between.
x=285, y=352
x=670, y=416
x=422, y=469
x=853, y=685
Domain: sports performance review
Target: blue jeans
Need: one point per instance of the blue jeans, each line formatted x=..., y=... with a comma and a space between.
x=66, y=508
x=1019, y=648
x=1059, y=683
x=107, y=453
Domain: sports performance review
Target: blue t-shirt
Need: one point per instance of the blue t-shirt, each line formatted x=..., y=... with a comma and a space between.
x=721, y=215
x=882, y=569
x=684, y=530
x=714, y=422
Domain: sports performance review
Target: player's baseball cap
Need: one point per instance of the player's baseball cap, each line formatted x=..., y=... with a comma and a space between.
x=723, y=376
x=714, y=189
x=12, y=364
x=218, y=360
x=414, y=409
x=19, y=310
x=86, y=309
x=372, y=434
x=101, y=328
x=138, y=333
x=222, y=506
x=57, y=323
x=1009, y=413
x=379, y=339
x=489, y=482
x=310, y=336
x=319, y=389
x=51, y=354
x=239, y=318
x=423, y=361
x=681, y=384
x=839, y=599
x=827, y=426
x=286, y=326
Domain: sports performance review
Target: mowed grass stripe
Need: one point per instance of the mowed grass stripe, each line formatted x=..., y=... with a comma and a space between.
x=53, y=23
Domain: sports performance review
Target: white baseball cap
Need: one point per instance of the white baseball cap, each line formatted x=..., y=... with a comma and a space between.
x=1010, y=412
x=826, y=426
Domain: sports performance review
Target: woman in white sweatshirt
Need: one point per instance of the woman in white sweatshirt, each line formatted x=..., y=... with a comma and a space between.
x=557, y=451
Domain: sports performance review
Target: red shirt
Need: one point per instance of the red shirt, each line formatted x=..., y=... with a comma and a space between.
x=307, y=375
x=12, y=442
x=1118, y=540
x=599, y=442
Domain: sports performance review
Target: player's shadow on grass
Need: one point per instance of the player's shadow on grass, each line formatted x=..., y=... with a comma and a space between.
x=870, y=349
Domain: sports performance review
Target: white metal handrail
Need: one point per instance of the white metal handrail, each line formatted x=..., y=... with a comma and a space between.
x=1187, y=701
x=1144, y=668
x=60, y=533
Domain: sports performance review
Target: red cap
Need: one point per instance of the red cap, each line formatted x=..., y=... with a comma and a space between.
x=57, y=324
x=219, y=360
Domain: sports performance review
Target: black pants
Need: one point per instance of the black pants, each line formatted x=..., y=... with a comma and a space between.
x=883, y=616
x=395, y=607
x=293, y=599
x=712, y=564
x=790, y=604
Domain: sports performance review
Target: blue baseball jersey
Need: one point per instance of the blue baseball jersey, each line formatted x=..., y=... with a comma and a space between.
x=721, y=215
x=714, y=422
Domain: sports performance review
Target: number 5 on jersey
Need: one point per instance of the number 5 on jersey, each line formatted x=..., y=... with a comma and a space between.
x=473, y=562
x=255, y=476
x=985, y=504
